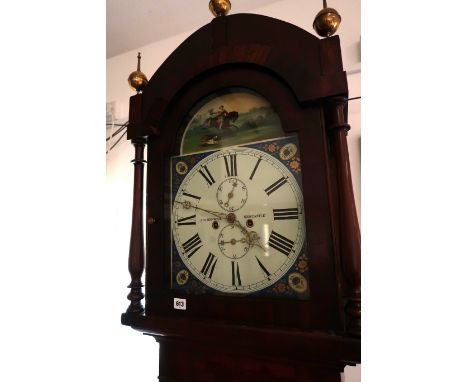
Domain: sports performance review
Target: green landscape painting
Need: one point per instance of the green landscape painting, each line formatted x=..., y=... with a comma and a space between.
x=234, y=118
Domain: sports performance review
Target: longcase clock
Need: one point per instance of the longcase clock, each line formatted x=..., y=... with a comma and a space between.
x=252, y=252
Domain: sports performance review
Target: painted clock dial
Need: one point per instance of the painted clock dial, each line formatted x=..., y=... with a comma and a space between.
x=238, y=219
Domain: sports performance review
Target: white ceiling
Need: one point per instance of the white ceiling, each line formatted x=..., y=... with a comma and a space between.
x=134, y=23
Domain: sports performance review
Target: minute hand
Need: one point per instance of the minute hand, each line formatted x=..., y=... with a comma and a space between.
x=187, y=204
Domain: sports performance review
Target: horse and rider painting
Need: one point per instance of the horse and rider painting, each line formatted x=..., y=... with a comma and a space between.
x=233, y=118
x=221, y=119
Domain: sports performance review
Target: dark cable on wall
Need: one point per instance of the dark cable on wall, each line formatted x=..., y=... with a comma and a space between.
x=118, y=140
x=117, y=131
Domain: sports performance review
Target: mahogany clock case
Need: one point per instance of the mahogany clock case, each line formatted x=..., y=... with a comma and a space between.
x=318, y=312
x=299, y=75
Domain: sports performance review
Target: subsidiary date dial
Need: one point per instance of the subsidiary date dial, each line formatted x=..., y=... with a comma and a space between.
x=233, y=242
x=238, y=221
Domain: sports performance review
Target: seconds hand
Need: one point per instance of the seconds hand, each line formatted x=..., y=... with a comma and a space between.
x=231, y=194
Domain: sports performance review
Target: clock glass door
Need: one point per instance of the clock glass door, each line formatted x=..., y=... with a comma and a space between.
x=237, y=212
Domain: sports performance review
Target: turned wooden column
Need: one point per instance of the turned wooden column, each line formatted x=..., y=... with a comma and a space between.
x=136, y=258
x=349, y=232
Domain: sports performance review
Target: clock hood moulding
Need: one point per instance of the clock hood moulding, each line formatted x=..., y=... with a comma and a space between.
x=248, y=40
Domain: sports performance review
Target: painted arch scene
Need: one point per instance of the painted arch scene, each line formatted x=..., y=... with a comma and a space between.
x=233, y=117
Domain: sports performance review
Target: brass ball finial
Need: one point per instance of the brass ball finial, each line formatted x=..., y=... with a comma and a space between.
x=137, y=80
x=327, y=21
x=219, y=7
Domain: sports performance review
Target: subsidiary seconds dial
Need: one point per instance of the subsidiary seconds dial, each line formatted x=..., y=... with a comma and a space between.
x=238, y=221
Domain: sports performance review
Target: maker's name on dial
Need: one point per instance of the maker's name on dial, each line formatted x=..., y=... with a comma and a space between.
x=209, y=219
x=254, y=216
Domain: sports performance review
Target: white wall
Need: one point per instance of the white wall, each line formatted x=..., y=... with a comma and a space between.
x=120, y=171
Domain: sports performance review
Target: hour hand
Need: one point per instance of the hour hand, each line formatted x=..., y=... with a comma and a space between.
x=254, y=239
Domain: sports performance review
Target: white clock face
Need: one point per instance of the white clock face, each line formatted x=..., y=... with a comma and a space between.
x=238, y=220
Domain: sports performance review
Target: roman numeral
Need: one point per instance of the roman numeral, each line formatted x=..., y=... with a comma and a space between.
x=255, y=168
x=263, y=268
x=208, y=177
x=272, y=188
x=280, y=243
x=191, y=196
x=236, y=280
x=285, y=213
x=231, y=165
x=193, y=244
x=209, y=266
x=189, y=220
